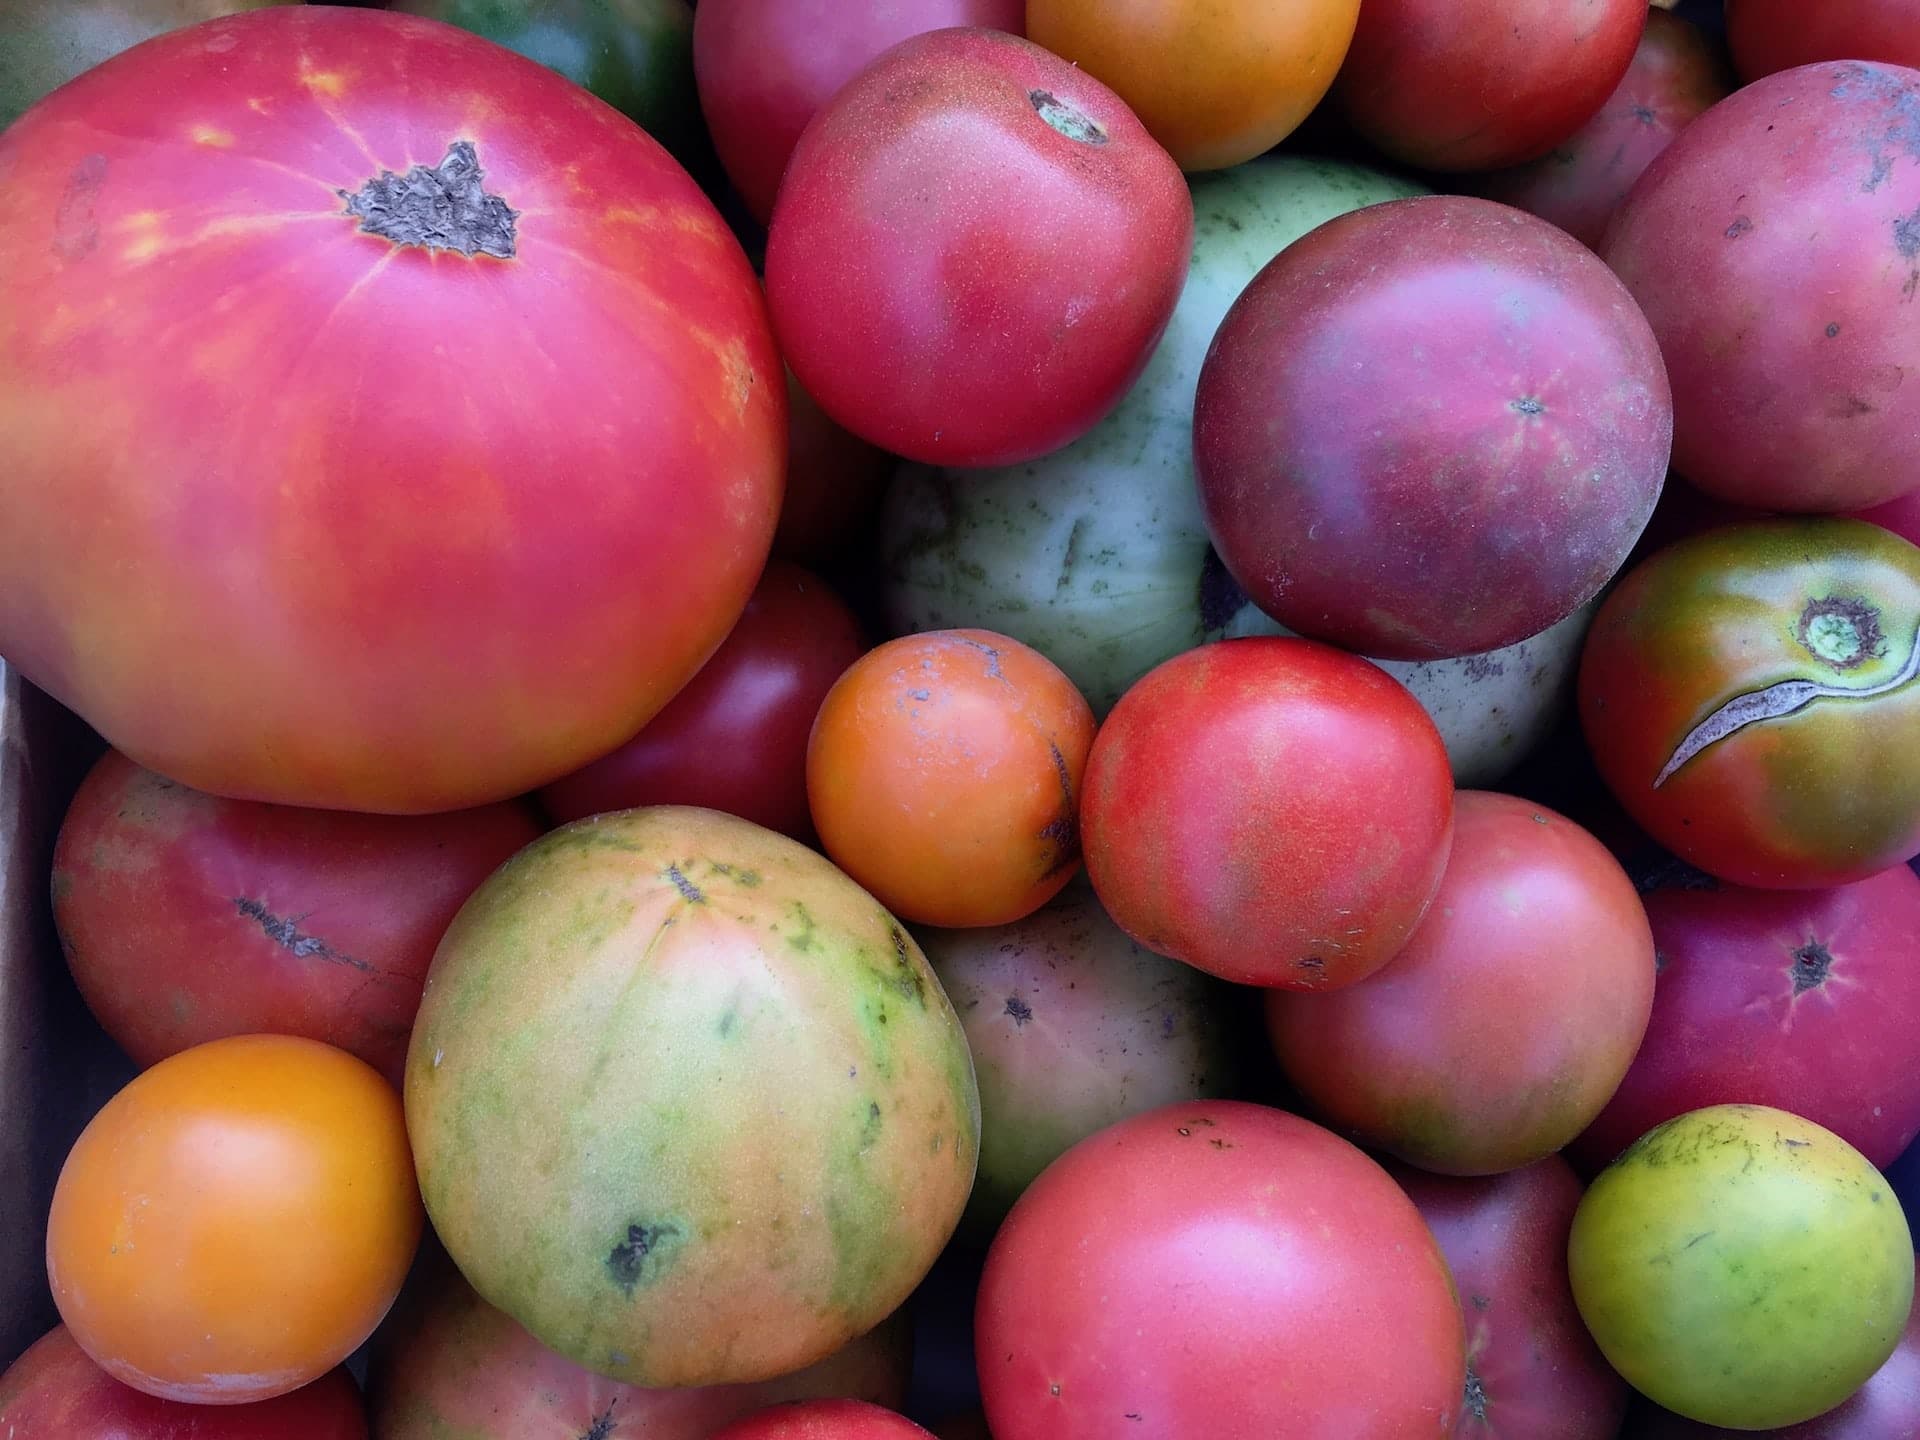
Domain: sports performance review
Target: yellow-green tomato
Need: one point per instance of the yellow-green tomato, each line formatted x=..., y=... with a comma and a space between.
x=1743, y=1267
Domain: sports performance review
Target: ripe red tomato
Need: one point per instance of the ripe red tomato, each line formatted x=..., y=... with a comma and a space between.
x=1771, y=35
x=974, y=251
x=385, y=424
x=945, y=776
x=1477, y=84
x=1805, y=1000
x=54, y=1392
x=1217, y=1271
x=765, y=67
x=1496, y=1035
x=1533, y=1372
x=1748, y=695
x=1271, y=810
x=824, y=1420
x=235, y=1222
x=185, y=917
x=736, y=738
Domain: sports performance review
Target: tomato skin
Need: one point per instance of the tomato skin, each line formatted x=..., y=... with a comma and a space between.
x=824, y=1420
x=765, y=67
x=1216, y=85
x=1222, y=1271
x=1772, y=35
x=1034, y=340
x=735, y=739
x=1497, y=1033
x=1722, y=615
x=1676, y=73
x=236, y=1221
x=1310, y=871
x=1455, y=85
x=1533, y=1372
x=54, y=1391
x=1901, y=516
x=592, y=431
x=1805, y=1000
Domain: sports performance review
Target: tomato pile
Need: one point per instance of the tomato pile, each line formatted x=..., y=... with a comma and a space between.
x=1161, y=720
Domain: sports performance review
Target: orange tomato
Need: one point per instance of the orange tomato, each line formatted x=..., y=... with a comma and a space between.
x=235, y=1222
x=944, y=775
x=1215, y=81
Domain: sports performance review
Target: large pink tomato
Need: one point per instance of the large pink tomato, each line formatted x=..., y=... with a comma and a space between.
x=385, y=423
x=736, y=738
x=1217, y=1271
x=765, y=66
x=1776, y=252
x=975, y=249
x=1806, y=1000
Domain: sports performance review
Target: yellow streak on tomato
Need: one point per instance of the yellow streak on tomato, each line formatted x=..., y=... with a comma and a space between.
x=211, y=135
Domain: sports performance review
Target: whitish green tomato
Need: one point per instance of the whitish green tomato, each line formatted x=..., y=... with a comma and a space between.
x=1743, y=1267
x=1095, y=555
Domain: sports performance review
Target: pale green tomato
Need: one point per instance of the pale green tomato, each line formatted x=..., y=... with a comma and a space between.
x=1095, y=555
x=1743, y=1267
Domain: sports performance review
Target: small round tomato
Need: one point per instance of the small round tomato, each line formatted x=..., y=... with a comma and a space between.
x=1215, y=84
x=1770, y=35
x=735, y=739
x=1749, y=697
x=1743, y=1267
x=944, y=771
x=823, y=1420
x=975, y=250
x=1271, y=810
x=1496, y=1035
x=236, y=1221
x=55, y=1392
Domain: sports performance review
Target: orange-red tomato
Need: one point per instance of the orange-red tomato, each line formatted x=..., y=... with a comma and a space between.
x=1215, y=83
x=236, y=1221
x=944, y=775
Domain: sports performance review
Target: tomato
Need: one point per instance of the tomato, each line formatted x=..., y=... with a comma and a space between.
x=51, y=41
x=1771, y=35
x=736, y=738
x=945, y=774
x=1500, y=1030
x=1310, y=870
x=54, y=1391
x=1901, y=516
x=1677, y=72
x=1787, y=345
x=1532, y=1370
x=1478, y=84
x=1391, y=461
x=185, y=917
x=834, y=483
x=1805, y=1000
x=211, y=374
x=1217, y=1271
x=1748, y=697
x=1743, y=1267
x=823, y=1420
x=235, y=1222
x=1055, y=239
x=765, y=67
x=1216, y=85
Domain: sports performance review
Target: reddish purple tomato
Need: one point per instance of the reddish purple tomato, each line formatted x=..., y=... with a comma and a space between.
x=736, y=738
x=1269, y=810
x=1533, y=1372
x=186, y=917
x=1901, y=516
x=1500, y=1030
x=1676, y=73
x=1887, y=1407
x=834, y=484
x=1771, y=35
x=975, y=250
x=1430, y=428
x=764, y=67
x=1788, y=343
x=823, y=1420
x=54, y=1392
x=1475, y=84
x=1217, y=1271
x=1801, y=998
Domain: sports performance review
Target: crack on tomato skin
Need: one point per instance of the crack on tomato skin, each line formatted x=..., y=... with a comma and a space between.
x=286, y=933
x=1067, y=118
x=1776, y=702
x=639, y=1259
x=445, y=207
x=602, y=1425
x=1476, y=1396
x=1811, y=963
